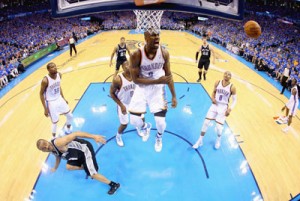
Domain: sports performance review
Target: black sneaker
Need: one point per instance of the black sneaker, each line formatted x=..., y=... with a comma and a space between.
x=113, y=188
x=199, y=80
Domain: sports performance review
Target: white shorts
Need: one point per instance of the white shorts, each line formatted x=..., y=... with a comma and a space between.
x=152, y=95
x=123, y=117
x=293, y=107
x=217, y=113
x=56, y=108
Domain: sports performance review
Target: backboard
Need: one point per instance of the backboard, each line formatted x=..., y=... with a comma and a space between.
x=232, y=9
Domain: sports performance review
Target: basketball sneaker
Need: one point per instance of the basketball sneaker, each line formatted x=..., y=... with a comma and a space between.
x=68, y=130
x=158, y=144
x=199, y=80
x=119, y=140
x=146, y=131
x=218, y=143
x=285, y=130
x=198, y=144
x=113, y=187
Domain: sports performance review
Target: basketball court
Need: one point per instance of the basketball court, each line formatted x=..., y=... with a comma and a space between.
x=256, y=161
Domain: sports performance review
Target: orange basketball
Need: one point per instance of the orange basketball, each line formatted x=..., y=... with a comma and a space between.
x=252, y=29
x=147, y=2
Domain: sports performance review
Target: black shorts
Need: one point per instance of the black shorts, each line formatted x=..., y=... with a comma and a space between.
x=87, y=159
x=119, y=63
x=203, y=63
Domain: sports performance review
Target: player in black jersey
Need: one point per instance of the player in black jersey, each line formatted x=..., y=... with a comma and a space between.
x=204, y=61
x=120, y=50
x=79, y=154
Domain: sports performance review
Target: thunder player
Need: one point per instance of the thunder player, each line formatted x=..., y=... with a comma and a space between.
x=150, y=70
x=53, y=99
x=120, y=50
x=291, y=106
x=204, y=59
x=219, y=110
x=121, y=91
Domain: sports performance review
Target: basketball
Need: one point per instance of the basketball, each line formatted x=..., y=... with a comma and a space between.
x=147, y=2
x=252, y=29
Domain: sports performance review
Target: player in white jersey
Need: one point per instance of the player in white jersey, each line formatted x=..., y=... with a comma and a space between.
x=219, y=110
x=121, y=91
x=150, y=70
x=53, y=100
x=291, y=106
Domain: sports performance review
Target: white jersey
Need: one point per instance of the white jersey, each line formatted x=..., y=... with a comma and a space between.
x=126, y=91
x=152, y=68
x=53, y=89
x=223, y=93
x=293, y=101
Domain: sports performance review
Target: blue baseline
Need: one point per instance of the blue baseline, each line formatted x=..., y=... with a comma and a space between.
x=177, y=173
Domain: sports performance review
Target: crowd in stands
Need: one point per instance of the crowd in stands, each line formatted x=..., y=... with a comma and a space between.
x=277, y=47
x=23, y=36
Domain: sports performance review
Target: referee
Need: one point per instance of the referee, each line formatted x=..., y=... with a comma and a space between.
x=72, y=45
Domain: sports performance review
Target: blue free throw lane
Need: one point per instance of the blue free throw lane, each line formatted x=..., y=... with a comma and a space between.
x=177, y=173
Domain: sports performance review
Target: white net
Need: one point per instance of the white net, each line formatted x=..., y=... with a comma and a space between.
x=148, y=20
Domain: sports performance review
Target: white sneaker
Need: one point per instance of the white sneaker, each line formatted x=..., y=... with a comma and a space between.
x=146, y=132
x=158, y=144
x=218, y=143
x=119, y=140
x=68, y=130
x=198, y=144
x=285, y=130
x=139, y=132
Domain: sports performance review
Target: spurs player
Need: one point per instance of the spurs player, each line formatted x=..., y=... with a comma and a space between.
x=53, y=99
x=291, y=106
x=219, y=110
x=150, y=70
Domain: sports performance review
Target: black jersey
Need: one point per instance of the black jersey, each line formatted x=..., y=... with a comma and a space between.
x=205, y=53
x=76, y=149
x=121, y=53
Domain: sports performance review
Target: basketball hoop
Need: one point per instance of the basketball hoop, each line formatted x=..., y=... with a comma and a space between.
x=148, y=20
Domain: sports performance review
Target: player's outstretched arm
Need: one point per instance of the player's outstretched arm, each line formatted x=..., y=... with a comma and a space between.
x=168, y=72
x=44, y=85
x=68, y=138
x=114, y=87
x=112, y=56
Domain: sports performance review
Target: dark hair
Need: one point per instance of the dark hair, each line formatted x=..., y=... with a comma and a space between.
x=49, y=65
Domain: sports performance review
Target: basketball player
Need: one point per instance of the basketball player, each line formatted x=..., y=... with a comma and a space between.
x=291, y=106
x=219, y=110
x=150, y=70
x=204, y=61
x=121, y=91
x=53, y=99
x=79, y=154
x=120, y=50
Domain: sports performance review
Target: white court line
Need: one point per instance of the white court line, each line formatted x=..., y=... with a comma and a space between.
x=94, y=61
x=20, y=102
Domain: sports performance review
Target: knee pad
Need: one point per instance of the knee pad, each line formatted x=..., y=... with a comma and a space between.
x=53, y=128
x=160, y=124
x=69, y=116
x=205, y=125
x=136, y=121
x=219, y=128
